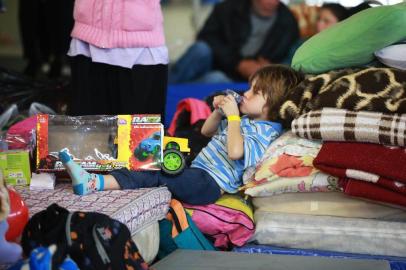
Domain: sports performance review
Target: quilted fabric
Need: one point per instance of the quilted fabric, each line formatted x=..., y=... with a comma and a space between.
x=135, y=208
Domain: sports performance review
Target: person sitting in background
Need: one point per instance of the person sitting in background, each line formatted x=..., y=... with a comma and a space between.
x=329, y=15
x=238, y=38
x=45, y=27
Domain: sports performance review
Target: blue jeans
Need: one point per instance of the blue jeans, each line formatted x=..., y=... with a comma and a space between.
x=196, y=65
x=193, y=186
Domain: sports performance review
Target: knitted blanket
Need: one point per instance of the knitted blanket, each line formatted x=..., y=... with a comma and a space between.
x=366, y=170
x=331, y=124
x=370, y=89
x=372, y=191
x=363, y=161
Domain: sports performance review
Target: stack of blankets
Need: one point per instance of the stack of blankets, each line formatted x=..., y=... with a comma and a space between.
x=336, y=180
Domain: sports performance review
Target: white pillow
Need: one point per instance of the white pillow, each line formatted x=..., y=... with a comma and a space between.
x=393, y=56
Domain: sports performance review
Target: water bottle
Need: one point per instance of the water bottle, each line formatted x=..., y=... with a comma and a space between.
x=236, y=96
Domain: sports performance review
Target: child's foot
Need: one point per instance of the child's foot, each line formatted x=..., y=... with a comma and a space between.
x=83, y=182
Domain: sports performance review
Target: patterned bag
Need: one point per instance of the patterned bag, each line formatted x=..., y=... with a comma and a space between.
x=92, y=240
x=229, y=221
x=178, y=231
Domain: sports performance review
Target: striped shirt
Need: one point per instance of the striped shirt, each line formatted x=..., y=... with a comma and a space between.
x=228, y=173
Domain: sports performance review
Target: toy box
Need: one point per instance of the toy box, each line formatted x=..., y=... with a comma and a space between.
x=16, y=167
x=100, y=142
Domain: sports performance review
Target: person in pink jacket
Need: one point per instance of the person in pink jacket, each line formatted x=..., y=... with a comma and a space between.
x=119, y=60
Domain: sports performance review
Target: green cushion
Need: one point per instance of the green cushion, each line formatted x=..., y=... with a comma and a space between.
x=353, y=41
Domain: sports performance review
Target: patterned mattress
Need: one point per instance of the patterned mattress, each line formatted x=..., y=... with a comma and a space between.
x=135, y=208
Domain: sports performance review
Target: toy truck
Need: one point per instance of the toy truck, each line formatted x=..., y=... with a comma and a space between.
x=174, y=148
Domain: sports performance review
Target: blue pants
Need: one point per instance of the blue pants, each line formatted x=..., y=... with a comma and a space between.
x=196, y=65
x=193, y=186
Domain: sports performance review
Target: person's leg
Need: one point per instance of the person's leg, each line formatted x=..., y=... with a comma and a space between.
x=193, y=186
x=61, y=17
x=194, y=63
x=92, y=86
x=28, y=14
x=83, y=182
x=215, y=76
x=142, y=90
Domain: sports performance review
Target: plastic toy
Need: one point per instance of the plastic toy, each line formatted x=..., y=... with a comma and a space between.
x=173, y=157
x=173, y=161
x=18, y=217
x=98, y=142
x=149, y=146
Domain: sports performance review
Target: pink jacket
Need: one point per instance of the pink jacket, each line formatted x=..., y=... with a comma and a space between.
x=119, y=23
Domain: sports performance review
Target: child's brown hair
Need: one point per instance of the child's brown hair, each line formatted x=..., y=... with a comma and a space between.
x=274, y=81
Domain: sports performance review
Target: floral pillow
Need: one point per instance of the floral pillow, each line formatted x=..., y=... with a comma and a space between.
x=287, y=166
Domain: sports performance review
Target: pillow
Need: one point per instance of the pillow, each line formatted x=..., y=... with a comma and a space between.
x=353, y=41
x=393, y=56
x=287, y=166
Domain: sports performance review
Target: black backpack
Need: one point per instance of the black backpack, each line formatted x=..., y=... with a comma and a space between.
x=92, y=240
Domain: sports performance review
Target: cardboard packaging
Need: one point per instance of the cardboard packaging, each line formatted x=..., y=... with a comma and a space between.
x=16, y=167
x=100, y=142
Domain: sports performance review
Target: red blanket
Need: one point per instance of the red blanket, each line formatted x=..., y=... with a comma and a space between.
x=371, y=191
x=371, y=171
x=362, y=161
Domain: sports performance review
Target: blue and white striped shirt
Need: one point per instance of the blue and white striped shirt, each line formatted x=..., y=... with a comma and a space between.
x=228, y=173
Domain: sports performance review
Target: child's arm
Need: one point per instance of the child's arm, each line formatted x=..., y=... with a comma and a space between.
x=211, y=124
x=235, y=140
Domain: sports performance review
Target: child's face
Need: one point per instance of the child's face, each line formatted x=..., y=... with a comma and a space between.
x=253, y=105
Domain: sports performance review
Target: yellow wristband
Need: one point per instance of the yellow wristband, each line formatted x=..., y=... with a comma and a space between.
x=233, y=118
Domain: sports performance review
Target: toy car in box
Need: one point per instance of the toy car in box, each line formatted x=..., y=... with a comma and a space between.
x=100, y=142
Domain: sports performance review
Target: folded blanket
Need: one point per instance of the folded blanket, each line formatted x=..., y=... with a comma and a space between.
x=362, y=161
x=368, y=89
x=372, y=191
x=331, y=124
x=316, y=182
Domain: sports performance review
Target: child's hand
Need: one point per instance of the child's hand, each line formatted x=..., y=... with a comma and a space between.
x=217, y=100
x=229, y=106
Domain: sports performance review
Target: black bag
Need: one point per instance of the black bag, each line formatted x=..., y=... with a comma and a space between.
x=92, y=240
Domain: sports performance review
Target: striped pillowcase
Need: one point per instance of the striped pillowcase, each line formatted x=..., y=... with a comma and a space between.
x=330, y=124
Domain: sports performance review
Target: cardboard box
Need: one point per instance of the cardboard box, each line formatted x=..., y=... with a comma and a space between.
x=100, y=142
x=16, y=167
